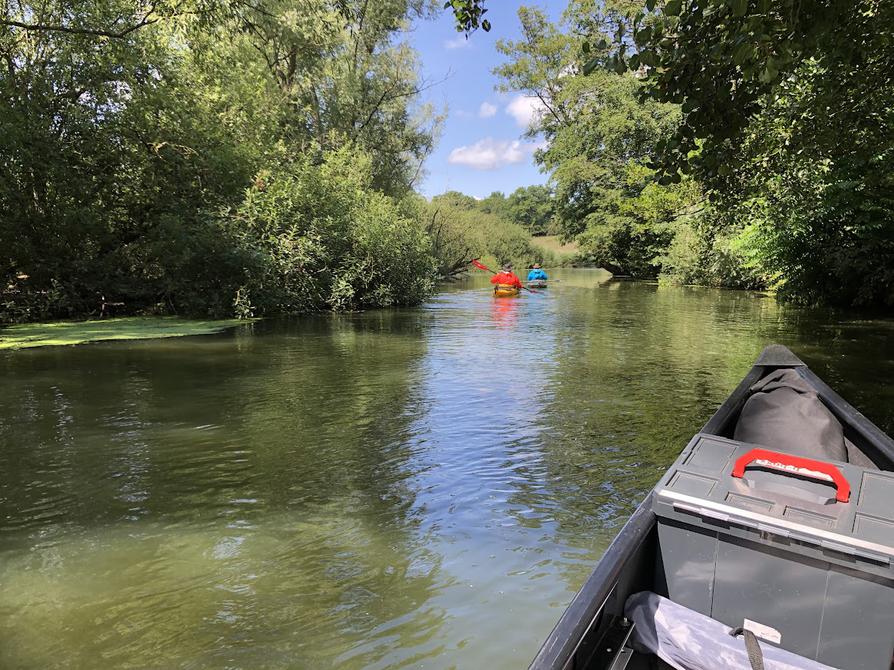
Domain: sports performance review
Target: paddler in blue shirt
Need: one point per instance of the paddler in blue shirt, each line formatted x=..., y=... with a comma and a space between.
x=536, y=274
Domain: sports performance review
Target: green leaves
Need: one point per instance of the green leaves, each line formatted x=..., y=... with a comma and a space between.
x=120, y=153
x=744, y=52
x=469, y=15
x=648, y=57
x=673, y=7
x=321, y=238
x=496, y=228
x=602, y=144
x=643, y=35
x=739, y=7
x=696, y=44
x=785, y=105
x=770, y=71
x=618, y=65
x=783, y=102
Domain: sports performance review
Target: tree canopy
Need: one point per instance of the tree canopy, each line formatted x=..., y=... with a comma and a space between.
x=736, y=142
x=600, y=140
x=255, y=156
x=788, y=120
x=141, y=139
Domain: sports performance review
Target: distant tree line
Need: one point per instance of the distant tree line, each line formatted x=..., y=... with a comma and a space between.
x=495, y=229
x=531, y=207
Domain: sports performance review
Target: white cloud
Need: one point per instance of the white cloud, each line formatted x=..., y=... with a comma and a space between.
x=525, y=110
x=490, y=154
x=487, y=110
x=459, y=42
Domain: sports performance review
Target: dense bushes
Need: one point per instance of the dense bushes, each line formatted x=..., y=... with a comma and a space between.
x=217, y=156
x=316, y=235
x=787, y=124
x=814, y=188
x=707, y=254
x=462, y=228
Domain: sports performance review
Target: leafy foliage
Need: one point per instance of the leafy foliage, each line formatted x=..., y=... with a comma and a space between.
x=726, y=142
x=469, y=15
x=130, y=127
x=601, y=140
x=463, y=228
x=318, y=235
x=787, y=121
x=721, y=58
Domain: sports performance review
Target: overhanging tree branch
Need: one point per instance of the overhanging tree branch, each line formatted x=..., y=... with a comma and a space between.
x=97, y=32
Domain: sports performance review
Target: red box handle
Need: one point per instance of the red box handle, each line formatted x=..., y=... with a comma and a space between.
x=806, y=467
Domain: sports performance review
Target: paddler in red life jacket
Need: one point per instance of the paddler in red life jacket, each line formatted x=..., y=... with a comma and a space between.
x=506, y=277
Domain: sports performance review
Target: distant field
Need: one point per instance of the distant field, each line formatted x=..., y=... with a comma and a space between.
x=552, y=243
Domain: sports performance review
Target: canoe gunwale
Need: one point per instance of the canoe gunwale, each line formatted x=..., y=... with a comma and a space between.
x=571, y=631
x=588, y=603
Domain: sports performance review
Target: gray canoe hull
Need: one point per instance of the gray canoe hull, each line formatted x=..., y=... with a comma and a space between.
x=593, y=633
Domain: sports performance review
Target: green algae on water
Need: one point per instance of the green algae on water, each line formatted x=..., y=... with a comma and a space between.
x=127, y=328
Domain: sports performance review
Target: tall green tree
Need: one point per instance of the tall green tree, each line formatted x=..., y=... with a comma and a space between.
x=532, y=207
x=341, y=77
x=601, y=139
x=110, y=148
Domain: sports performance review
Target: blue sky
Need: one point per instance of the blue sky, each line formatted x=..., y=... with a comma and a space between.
x=482, y=147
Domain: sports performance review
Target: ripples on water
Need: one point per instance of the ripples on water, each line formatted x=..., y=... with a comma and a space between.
x=414, y=488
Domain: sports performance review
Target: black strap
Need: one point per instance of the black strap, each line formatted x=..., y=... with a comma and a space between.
x=752, y=646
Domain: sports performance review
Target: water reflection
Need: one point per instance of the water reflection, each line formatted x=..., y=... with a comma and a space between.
x=389, y=489
x=505, y=314
x=190, y=496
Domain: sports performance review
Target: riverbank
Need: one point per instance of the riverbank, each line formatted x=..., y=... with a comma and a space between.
x=66, y=333
x=565, y=253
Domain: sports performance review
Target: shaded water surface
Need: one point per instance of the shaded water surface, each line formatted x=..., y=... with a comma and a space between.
x=401, y=489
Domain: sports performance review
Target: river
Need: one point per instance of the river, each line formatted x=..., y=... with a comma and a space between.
x=418, y=488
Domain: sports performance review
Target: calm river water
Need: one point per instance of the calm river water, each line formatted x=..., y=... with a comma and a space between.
x=393, y=489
